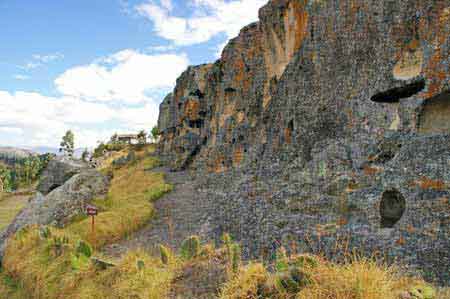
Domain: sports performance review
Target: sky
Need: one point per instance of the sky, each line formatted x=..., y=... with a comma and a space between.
x=98, y=67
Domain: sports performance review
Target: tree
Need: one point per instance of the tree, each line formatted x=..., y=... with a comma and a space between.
x=142, y=137
x=85, y=155
x=67, y=144
x=114, y=139
x=155, y=133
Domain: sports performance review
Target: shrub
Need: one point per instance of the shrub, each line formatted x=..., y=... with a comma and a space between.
x=292, y=273
x=83, y=248
x=190, y=248
x=251, y=282
x=235, y=257
x=165, y=254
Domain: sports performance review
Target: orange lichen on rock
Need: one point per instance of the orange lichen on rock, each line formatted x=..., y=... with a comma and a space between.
x=278, y=52
x=427, y=183
x=238, y=156
x=437, y=33
x=288, y=135
x=218, y=165
x=192, y=109
x=370, y=171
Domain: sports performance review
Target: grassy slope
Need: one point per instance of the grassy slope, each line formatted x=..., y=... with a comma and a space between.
x=45, y=271
x=10, y=205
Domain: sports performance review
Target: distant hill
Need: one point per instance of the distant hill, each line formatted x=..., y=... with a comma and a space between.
x=11, y=153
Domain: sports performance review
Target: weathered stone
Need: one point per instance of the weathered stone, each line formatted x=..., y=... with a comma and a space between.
x=59, y=170
x=316, y=121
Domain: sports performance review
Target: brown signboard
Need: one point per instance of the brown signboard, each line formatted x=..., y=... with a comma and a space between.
x=91, y=210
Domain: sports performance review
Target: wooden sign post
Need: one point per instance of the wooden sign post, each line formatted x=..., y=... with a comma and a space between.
x=92, y=211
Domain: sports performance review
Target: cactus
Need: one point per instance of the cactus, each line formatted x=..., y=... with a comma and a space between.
x=140, y=265
x=190, y=247
x=58, y=244
x=235, y=257
x=305, y=261
x=44, y=232
x=83, y=248
x=165, y=254
x=292, y=280
x=292, y=273
x=422, y=292
x=282, y=261
x=227, y=242
x=79, y=261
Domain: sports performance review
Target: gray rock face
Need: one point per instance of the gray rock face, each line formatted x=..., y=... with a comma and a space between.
x=325, y=121
x=59, y=170
x=60, y=205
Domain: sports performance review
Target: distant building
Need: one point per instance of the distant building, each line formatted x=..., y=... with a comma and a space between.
x=128, y=138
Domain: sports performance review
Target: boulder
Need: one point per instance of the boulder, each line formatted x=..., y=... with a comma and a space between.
x=60, y=205
x=58, y=171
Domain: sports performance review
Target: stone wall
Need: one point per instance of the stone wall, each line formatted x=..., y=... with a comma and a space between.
x=318, y=122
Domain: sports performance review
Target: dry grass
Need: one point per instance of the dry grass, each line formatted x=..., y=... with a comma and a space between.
x=443, y=293
x=127, y=206
x=31, y=260
x=10, y=205
x=252, y=282
x=359, y=279
x=45, y=272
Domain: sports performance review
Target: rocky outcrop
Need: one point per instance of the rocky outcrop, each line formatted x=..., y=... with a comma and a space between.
x=58, y=171
x=62, y=204
x=325, y=119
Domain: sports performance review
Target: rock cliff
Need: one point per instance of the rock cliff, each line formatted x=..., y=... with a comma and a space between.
x=325, y=121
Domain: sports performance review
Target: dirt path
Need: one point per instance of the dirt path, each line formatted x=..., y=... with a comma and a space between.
x=179, y=214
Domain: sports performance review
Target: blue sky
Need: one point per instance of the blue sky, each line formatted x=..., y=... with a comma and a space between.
x=102, y=66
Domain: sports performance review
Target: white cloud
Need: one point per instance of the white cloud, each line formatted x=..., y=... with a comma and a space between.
x=110, y=95
x=21, y=77
x=48, y=57
x=34, y=119
x=211, y=17
x=39, y=60
x=125, y=76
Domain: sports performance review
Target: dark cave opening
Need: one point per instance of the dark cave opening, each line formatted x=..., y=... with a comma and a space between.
x=392, y=207
x=395, y=94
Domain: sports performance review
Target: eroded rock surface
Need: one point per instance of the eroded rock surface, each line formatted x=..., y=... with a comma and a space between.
x=317, y=121
x=59, y=170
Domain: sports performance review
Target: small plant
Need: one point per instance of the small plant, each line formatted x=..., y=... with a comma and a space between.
x=190, y=247
x=422, y=291
x=227, y=242
x=84, y=248
x=165, y=254
x=235, y=258
x=282, y=261
x=44, y=232
x=292, y=273
x=140, y=264
x=58, y=244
